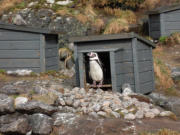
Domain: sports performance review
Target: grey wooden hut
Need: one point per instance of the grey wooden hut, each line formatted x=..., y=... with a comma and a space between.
x=28, y=48
x=126, y=58
x=164, y=21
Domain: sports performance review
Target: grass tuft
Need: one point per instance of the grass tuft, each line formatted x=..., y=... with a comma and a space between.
x=162, y=132
x=5, y=5
x=117, y=26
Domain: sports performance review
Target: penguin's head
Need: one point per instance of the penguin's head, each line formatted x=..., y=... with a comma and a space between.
x=93, y=56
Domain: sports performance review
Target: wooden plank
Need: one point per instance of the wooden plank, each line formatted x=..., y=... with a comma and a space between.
x=154, y=18
x=81, y=70
x=136, y=66
x=76, y=65
x=4, y=63
x=145, y=66
x=124, y=67
x=123, y=56
x=113, y=71
x=146, y=87
x=29, y=54
x=51, y=52
x=103, y=86
x=124, y=44
x=42, y=53
x=155, y=26
x=144, y=55
x=155, y=34
x=37, y=70
x=162, y=25
x=53, y=67
x=125, y=78
x=142, y=46
x=51, y=44
x=172, y=25
x=172, y=16
x=169, y=32
x=16, y=36
x=19, y=45
x=153, y=76
x=145, y=76
x=51, y=61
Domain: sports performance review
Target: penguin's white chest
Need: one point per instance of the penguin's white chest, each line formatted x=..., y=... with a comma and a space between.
x=96, y=72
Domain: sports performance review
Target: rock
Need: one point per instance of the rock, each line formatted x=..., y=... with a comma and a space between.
x=63, y=118
x=41, y=124
x=32, y=4
x=96, y=107
x=106, y=103
x=115, y=114
x=60, y=101
x=155, y=111
x=61, y=65
x=101, y=113
x=11, y=90
x=63, y=3
x=36, y=107
x=20, y=100
x=124, y=111
x=76, y=103
x=139, y=114
x=93, y=114
x=69, y=101
x=168, y=103
x=166, y=113
x=50, y=1
x=129, y=116
x=126, y=89
x=175, y=73
x=18, y=20
x=71, y=46
x=149, y=115
x=6, y=104
x=70, y=63
x=14, y=124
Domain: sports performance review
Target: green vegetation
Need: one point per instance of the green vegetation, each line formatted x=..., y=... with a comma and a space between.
x=163, y=39
x=21, y=5
x=123, y=4
x=2, y=71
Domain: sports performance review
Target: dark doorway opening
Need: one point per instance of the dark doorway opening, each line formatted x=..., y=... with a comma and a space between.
x=104, y=57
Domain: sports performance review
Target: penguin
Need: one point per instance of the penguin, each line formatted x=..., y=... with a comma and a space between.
x=95, y=71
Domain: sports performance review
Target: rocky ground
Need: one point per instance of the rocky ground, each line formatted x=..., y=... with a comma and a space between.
x=48, y=105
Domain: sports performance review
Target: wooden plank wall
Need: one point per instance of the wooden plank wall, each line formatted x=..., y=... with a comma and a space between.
x=154, y=26
x=51, y=53
x=145, y=65
x=124, y=65
x=172, y=22
x=19, y=50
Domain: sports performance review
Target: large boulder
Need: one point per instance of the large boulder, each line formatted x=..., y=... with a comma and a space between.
x=36, y=107
x=6, y=104
x=41, y=124
x=14, y=124
x=64, y=118
x=11, y=89
x=168, y=103
x=175, y=73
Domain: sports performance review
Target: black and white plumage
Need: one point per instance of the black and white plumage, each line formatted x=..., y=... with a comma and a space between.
x=96, y=71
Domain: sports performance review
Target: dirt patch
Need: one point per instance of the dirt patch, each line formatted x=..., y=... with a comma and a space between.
x=90, y=126
x=170, y=55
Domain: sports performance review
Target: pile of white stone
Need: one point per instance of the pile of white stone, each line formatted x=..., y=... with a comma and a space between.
x=99, y=103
